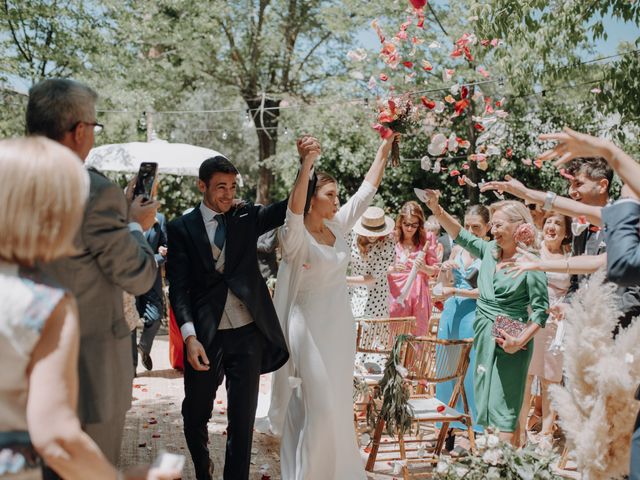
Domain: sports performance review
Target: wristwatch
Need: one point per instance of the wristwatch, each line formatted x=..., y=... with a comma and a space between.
x=548, y=201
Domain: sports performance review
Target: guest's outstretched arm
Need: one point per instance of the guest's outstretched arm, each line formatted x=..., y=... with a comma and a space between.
x=309, y=150
x=578, y=265
x=376, y=171
x=562, y=205
x=450, y=224
x=572, y=144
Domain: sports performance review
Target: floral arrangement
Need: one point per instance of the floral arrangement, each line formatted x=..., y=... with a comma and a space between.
x=396, y=115
x=497, y=460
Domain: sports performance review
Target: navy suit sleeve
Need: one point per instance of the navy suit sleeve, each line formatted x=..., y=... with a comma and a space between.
x=271, y=216
x=162, y=238
x=623, y=239
x=178, y=273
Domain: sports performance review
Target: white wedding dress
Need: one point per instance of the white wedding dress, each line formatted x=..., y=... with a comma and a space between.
x=312, y=396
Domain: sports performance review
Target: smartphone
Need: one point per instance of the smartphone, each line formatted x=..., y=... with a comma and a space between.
x=146, y=178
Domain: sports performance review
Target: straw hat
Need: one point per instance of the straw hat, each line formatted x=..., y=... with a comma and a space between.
x=374, y=223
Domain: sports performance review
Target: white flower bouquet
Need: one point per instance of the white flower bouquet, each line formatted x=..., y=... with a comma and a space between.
x=496, y=460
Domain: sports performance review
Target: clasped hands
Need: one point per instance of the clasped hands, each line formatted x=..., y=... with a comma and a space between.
x=308, y=149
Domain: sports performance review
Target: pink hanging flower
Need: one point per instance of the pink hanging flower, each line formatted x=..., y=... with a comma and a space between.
x=418, y=3
x=525, y=234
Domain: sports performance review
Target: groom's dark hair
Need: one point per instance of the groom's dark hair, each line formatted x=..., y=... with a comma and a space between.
x=217, y=164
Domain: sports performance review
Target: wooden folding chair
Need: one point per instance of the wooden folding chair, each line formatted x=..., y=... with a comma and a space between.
x=434, y=361
x=376, y=335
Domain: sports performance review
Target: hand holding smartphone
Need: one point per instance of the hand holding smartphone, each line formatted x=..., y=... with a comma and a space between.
x=146, y=180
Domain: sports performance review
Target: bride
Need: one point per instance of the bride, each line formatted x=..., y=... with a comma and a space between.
x=312, y=395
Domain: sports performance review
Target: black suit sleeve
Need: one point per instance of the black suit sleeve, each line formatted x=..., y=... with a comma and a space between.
x=623, y=238
x=271, y=216
x=178, y=273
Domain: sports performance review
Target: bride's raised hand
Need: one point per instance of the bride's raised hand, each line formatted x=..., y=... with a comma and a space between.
x=308, y=148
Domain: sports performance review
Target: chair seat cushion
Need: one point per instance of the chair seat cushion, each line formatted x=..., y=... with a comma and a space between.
x=427, y=408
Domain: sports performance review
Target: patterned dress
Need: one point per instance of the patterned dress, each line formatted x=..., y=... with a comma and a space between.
x=26, y=306
x=372, y=302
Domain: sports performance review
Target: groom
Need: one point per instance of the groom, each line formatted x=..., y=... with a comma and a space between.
x=224, y=311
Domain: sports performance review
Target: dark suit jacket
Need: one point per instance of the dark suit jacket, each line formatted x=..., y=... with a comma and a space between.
x=621, y=229
x=198, y=292
x=156, y=237
x=110, y=259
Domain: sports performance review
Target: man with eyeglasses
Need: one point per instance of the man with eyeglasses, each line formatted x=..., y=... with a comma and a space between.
x=113, y=256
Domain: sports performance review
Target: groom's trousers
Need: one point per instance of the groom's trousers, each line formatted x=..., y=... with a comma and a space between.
x=235, y=354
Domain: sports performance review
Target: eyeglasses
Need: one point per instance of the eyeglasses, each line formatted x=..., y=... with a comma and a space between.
x=410, y=225
x=97, y=127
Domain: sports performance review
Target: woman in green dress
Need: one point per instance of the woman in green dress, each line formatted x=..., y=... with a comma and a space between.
x=501, y=362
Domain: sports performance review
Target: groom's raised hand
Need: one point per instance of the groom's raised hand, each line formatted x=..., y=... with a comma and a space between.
x=196, y=355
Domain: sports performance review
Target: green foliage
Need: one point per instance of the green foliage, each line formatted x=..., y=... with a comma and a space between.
x=497, y=460
x=395, y=410
x=167, y=55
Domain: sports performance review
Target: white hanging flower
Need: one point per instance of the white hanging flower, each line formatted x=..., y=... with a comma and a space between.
x=426, y=163
x=438, y=145
x=452, y=144
x=372, y=83
x=455, y=89
x=481, y=442
x=357, y=55
x=434, y=44
x=493, y=441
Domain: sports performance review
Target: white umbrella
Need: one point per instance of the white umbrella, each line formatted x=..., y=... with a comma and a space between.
x=173, y=158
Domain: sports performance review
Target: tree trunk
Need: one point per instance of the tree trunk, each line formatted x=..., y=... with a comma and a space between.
x=266, y=122
x=473, y=193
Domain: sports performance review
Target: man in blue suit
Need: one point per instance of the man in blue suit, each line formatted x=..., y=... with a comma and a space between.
x=621, y=222
x=150, y=305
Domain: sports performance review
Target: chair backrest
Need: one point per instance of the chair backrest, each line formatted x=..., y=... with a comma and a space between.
x=435, y=360
x=377, y=335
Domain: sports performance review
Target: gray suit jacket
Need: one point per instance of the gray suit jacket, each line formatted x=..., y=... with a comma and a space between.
x=110, y=259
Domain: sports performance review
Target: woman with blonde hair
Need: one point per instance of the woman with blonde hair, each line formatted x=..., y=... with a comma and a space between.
x=518, y=304
x=43, y=190
x=411, y=239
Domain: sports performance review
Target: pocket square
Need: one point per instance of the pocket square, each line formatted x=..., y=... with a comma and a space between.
x=243, y=215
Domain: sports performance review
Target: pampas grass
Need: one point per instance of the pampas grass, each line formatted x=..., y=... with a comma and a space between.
x=596, y=408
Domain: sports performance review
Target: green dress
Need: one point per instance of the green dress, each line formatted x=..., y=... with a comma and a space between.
x=500, y=377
